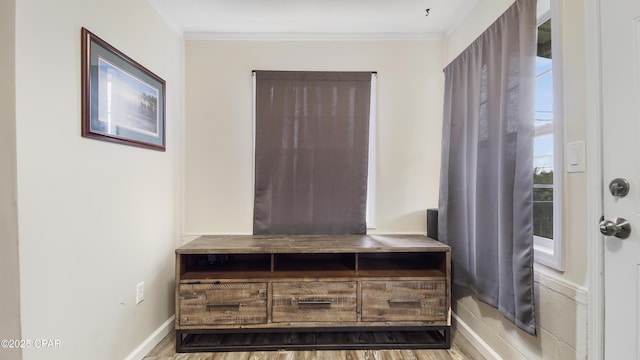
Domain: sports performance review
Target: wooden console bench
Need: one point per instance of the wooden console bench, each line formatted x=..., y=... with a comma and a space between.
x=270, y=292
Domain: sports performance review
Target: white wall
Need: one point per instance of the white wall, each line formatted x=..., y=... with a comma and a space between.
x=219, y=155
x=561, y=296
x=95, y=218
x=477, y=20
x=9, y=270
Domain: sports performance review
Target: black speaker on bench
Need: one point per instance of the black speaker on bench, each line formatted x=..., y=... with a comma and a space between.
x=432, y=223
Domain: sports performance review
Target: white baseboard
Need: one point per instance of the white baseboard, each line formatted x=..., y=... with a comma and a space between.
x=154, y=339
x=475, y=340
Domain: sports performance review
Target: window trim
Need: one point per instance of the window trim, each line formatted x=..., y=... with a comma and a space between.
x=371, y=173
x=546, y=251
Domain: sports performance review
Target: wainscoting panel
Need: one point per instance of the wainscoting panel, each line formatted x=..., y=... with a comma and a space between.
x=561, y=316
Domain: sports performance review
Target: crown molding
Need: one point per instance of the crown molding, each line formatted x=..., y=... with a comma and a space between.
x=167, y=19
x=312, y=36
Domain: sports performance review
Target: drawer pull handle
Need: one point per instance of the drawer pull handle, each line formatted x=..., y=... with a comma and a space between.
x=314, y=303
x=190, y=296
x=405, y=303
x=223, y=306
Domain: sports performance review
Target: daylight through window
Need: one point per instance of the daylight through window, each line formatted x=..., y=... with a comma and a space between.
x=548, y=164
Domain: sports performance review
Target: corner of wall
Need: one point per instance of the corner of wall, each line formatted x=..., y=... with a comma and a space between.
x=10, y=326
x=561, y=317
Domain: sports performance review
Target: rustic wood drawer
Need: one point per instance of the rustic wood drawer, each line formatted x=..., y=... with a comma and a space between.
x=223, y=304
x=404, y=300
x=326, y=301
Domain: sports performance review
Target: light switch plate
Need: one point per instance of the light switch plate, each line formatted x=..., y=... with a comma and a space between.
x=575, y=157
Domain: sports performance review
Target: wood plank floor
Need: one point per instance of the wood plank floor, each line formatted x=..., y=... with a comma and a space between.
x=460, y=350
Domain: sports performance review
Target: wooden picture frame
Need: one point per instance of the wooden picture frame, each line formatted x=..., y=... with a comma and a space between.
x=122, y=101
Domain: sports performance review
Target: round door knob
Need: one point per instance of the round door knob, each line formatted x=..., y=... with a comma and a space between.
x=608, y=228
x=619, y=228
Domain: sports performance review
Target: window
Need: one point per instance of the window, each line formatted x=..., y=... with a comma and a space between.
x=311, y=160
x=548, y=142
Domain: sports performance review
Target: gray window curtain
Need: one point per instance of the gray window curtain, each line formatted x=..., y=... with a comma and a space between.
x=311, y=152
x=485, y=205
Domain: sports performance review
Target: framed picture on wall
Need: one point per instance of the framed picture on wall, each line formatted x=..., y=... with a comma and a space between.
x=122, y=101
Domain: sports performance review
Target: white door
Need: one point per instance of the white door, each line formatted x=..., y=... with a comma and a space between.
x=620, y=20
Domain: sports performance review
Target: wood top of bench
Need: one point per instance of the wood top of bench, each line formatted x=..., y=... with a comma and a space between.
x=249, y=244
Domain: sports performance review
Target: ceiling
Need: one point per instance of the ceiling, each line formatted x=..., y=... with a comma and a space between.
x=313, y=18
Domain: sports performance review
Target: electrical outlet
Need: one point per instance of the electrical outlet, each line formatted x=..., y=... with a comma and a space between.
x=140, y=292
